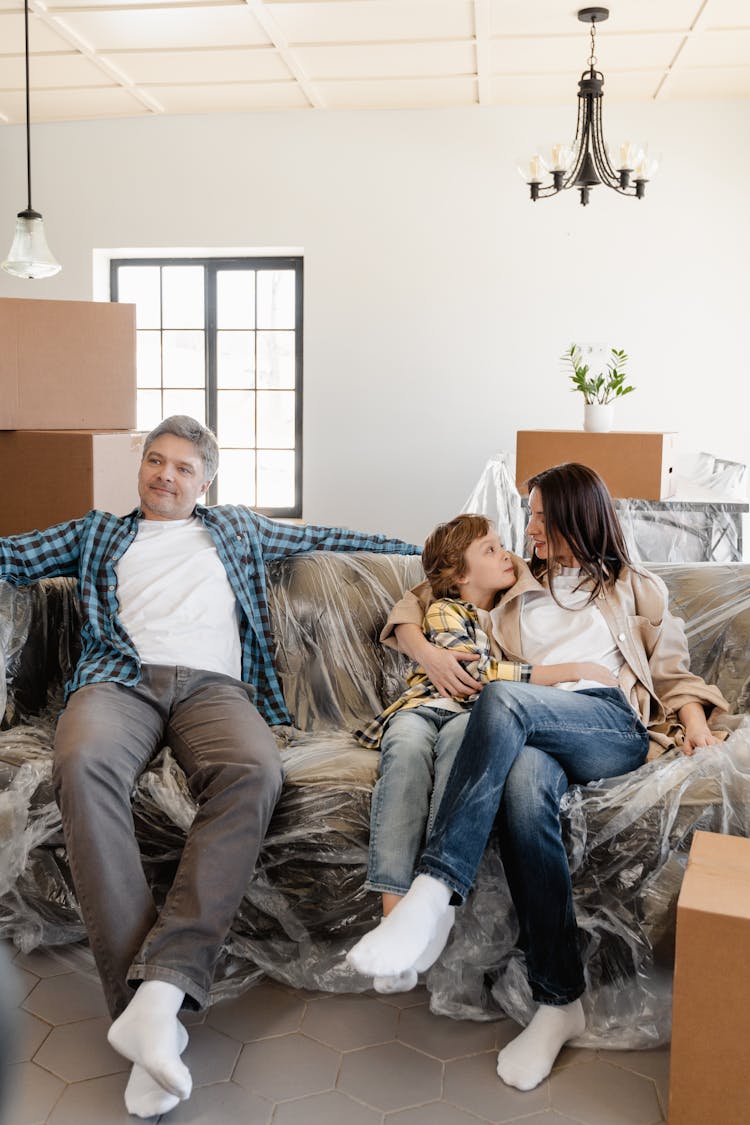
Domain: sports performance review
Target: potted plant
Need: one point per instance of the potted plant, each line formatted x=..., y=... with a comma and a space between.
x=599, y=391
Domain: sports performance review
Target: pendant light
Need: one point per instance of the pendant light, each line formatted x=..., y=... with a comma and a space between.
x=29, y=256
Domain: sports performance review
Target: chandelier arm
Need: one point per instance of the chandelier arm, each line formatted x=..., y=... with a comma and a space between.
x=601, y=157
x=578, y=142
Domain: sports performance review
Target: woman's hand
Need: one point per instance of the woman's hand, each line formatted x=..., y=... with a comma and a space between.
x=697, y=731
x=588, y=670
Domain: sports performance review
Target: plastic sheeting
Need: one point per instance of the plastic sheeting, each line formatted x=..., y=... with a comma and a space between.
x=628, y=838
x=701, y=523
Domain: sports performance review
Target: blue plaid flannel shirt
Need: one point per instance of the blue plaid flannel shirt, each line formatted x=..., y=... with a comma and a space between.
x=89, y=548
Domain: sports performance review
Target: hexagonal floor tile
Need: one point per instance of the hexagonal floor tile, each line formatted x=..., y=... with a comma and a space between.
x=436, y=1113
x=391, y=1076
x=267, y=1009
x=93, y=1102
x=417, y=996
x=348, y=1022
x=43, y=962
x=652, y=1064
x=66, y=999
x=29, y=1032
x=289, y=1066
x=600, y=1093
x=21, y=982
x=472, y=1084
x=210, y=1056
x=224, y=1103
x=78, y=1051
x=33, y=1092
x=442, y=1037
x=333, y=1108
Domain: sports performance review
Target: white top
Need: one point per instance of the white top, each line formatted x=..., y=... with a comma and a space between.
x=552, y=634
x=175, y=599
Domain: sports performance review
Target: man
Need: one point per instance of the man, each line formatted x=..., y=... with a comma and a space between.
x=175, y=645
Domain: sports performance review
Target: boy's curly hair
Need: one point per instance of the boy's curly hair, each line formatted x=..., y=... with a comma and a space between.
x=443, y=555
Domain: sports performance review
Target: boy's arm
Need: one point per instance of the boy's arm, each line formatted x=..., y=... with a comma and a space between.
x=279, y=540
x=450, y=625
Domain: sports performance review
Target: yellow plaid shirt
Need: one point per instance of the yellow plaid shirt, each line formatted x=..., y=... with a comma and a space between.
x=453, y=624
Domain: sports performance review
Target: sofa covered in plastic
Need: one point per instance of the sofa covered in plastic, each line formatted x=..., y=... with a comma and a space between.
x=627, y=838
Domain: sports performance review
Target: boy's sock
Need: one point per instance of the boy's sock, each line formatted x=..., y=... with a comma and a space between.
x=405, y=981
x=148, y=1033
x=404, y=936
x=529, y=1058
x=400, y=982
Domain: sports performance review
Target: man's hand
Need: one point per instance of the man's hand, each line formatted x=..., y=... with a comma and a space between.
x=445, y=667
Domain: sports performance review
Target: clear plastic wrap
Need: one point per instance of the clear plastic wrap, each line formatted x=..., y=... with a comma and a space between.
x=628, y=838
x=495, y=495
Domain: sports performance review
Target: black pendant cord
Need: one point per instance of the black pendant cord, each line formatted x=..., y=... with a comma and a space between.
x=28, y=113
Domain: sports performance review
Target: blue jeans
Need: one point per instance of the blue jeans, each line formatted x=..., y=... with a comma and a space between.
x=416, y=757
x=524, y=746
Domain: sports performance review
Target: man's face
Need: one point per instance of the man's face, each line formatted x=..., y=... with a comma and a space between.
x=171, y=478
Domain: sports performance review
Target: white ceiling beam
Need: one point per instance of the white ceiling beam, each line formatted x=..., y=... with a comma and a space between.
x=61, y=28
x=482, y=47
x=700, y=18
x=279, y=40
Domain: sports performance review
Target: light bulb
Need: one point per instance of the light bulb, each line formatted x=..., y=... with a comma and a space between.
x=30, y=256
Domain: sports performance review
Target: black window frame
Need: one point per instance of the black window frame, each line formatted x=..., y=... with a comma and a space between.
x=212, y=265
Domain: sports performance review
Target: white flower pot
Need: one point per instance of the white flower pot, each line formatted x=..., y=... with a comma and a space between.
x=598, y=418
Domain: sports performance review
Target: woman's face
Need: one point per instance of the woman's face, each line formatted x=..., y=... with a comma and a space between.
x=537, y=532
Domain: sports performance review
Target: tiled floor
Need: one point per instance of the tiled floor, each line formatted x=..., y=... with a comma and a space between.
x=279, y=1057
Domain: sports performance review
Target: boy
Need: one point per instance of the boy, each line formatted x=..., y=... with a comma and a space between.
x=468, y=570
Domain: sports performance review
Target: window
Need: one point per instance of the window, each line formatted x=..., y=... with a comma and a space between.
x=221, y=339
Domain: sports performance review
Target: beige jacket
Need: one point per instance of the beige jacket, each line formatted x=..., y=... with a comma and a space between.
x=655, y=676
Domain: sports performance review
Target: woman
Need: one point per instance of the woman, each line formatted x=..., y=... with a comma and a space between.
x=525, y=744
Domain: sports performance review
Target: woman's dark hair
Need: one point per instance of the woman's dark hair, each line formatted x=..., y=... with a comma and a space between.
x=579, y=512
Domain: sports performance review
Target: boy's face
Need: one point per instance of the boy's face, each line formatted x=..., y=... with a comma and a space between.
x=489, y=567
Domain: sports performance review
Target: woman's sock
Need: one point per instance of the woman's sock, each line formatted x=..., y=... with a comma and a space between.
x=529, y=1058
x=403, y=937
x=148, y=1033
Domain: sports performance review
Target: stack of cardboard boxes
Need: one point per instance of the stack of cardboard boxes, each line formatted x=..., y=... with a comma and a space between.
x=67, y=411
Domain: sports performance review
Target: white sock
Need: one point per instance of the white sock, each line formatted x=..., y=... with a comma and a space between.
x=529, y=1058
x=146, y=1098
x=403, y=937
x=400, y=982
x=148, y=1034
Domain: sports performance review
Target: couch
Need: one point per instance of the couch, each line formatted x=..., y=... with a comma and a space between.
x=627, y=838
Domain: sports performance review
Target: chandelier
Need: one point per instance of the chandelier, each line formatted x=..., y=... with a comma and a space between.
x=587, y=163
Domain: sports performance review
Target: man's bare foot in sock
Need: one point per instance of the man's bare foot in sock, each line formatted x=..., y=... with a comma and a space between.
x=403, y=937
x=146, y=1098
x=529, y=1058
x=148, y=1033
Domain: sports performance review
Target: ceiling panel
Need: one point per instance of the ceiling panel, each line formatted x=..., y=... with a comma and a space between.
x=407, y=94
x=73, y=105
x=234, y=98
x=198, y=26
x=709, y=82
x=180, y=68
x=46, y=71
x=550, y=17
x=41, y=37
x=544, y=55
x=367, y=20
x=377, y=60
x=717, y=48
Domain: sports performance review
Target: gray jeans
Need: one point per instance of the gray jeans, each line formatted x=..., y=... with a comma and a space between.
x=105, y=738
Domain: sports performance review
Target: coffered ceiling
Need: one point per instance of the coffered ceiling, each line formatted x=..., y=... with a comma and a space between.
x=124, y=58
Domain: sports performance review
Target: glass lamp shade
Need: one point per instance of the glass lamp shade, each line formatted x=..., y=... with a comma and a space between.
x=30, y=256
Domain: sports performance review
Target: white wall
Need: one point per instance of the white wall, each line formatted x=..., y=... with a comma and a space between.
x=438, y=298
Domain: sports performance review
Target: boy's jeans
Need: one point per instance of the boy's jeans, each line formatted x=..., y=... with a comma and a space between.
x=524, y=746
x=416, y=757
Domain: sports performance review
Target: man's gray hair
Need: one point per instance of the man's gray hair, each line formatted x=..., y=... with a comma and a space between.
x=183, y=426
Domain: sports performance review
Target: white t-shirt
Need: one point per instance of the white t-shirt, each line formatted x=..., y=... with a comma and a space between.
x=175, y=599
x=552, y=634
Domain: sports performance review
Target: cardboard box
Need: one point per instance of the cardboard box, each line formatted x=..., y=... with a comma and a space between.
x=56, y=475
x=709, y=1076
x=633, y=465
x=66, y=365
